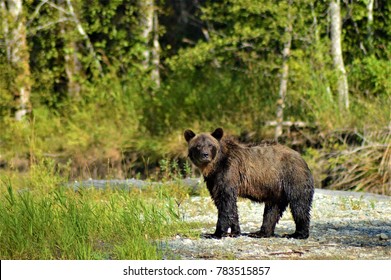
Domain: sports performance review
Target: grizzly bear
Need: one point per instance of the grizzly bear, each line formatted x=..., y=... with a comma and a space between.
x=269, y=173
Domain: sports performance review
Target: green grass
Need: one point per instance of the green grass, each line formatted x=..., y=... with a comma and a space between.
x=49, y=220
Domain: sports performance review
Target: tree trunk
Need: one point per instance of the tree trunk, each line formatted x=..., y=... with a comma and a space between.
x=370, y=23
x=320, y=53
x=184, y=17
x=84, y=34
x=336, y=51
x=150, y=36
x=72, y=64
x=155, y=61
x=5, y=28
x=284, y=78
x=17, y=54
x=73, y=69
x=146, y=24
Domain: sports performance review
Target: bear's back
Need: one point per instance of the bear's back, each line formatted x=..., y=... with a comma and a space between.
x=266, y=162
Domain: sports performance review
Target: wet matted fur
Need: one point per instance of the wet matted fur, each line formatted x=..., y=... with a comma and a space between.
x=269, y=173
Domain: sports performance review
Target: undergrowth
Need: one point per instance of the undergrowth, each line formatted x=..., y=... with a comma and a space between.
x=352, y=160
x=43, y=218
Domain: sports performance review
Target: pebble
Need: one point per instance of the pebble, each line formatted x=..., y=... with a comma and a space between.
x=383, y=236
x=187, y=242
x=335, y=232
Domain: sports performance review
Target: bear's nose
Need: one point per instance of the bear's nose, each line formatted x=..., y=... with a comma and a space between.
x=205, y=155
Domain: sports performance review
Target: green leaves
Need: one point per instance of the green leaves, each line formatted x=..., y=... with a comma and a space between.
x=220, y=63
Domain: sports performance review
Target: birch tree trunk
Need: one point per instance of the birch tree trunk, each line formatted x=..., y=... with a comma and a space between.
x=370, y=23
x=73, y=68
x=150, y=37
x=155, y=61
x=14, y=29
x=84, y=34
x=72, y=65
x=284, y=78
x=336, y=51
x=146, y=24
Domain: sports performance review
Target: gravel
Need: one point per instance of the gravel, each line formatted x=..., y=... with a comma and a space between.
x=344, y=225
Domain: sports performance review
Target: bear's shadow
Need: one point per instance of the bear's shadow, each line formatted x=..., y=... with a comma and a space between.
x=354, y=234
x=244, y=234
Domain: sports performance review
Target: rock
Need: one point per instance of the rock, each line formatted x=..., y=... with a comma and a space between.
x=187, y=242
x=382, y=236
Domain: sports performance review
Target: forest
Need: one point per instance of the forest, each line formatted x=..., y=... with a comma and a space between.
x=105, y=89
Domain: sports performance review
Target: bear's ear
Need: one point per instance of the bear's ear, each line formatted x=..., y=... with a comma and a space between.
x=218, y=133
x=189, y=134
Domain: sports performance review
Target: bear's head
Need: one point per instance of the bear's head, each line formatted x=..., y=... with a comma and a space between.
x=204, y=147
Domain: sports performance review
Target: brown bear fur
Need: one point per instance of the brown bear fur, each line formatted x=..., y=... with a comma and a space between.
x=269, y=173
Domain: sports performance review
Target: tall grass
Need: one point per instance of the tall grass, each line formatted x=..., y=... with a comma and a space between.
x=55, y=222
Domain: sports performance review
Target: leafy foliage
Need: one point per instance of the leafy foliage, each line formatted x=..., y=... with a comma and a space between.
x=220, y=65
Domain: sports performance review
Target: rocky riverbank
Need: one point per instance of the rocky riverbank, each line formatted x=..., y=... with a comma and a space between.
x=344, y=225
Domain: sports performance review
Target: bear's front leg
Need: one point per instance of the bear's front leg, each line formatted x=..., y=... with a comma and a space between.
x=225, y=222
x=228, y=217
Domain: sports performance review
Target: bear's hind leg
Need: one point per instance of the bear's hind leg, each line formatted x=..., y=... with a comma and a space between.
x=301, y=215
x=271, y=216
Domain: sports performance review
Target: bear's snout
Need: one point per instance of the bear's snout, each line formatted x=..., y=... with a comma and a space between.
x=204, y=155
